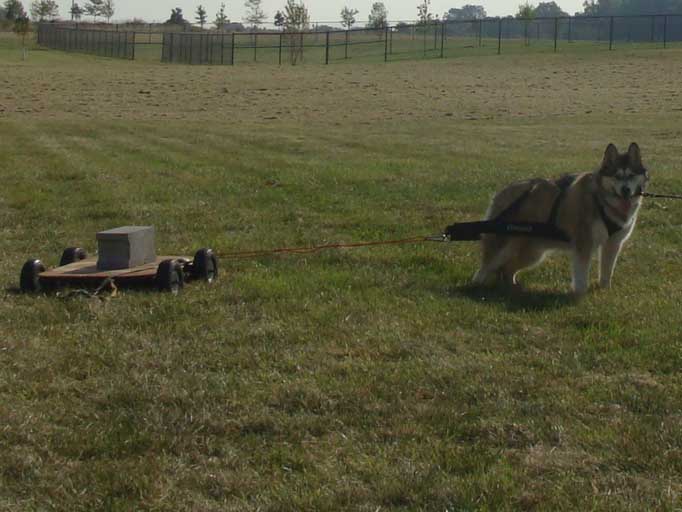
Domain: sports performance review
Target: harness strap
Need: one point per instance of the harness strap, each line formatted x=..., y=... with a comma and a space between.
x=563, y=183
x=611, y=227
x=514, y=207
x=549, y=230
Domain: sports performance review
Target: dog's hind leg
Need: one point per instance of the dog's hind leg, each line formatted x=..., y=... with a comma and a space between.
x=525, y=256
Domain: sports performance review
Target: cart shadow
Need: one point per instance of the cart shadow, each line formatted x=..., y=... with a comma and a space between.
x=515, y=299
x=75, y=289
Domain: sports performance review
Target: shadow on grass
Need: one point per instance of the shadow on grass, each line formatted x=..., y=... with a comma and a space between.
x=515, y=299
x=14, y=290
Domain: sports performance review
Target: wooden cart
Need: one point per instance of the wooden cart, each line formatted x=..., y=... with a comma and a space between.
x=167, y=273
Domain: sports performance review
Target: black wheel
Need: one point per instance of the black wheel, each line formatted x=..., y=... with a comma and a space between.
x=205, y=265
x=30, y=276
x=72, y=255
x=170, y=277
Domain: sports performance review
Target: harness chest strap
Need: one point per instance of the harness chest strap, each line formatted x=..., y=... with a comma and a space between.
x=564, y=183
x=611, y=227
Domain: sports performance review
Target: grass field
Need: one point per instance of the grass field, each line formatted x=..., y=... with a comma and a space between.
x=368, y=379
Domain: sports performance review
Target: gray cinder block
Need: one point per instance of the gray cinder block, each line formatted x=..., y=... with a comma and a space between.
x=125, y=247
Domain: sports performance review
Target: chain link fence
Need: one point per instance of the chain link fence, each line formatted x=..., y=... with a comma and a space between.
x=104, y=43
x=452, y=38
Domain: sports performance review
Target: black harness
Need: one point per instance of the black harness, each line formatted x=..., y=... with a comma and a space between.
x=611, y=227
x=548, y=230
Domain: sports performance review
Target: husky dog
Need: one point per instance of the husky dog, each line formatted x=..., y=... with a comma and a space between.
x=596, y=211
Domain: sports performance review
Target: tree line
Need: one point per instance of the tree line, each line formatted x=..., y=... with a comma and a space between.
x=295, y=16
x=48, y=10
x=602, y=8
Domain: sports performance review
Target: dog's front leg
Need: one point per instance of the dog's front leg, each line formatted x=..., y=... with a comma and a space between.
x=609, y=256
x=581, y=270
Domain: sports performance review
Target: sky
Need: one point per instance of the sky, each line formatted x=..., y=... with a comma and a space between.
x=320, y=10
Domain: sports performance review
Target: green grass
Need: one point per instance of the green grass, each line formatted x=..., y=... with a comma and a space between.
x=350, y=380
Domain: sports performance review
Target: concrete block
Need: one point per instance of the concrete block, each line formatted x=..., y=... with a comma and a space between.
x=125, y=247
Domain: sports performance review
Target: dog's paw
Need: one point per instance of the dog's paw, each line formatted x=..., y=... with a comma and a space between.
x=578, y=294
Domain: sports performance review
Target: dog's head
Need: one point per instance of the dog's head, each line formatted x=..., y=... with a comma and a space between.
x=623, y=177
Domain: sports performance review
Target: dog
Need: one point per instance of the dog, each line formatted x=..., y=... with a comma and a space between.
x=596, y=211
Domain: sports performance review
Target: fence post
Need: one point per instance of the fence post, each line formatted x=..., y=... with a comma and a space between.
x=222, y=49
x=442, y=39
x=386, y=44
x=232, y=57
x=133, y=45
x=499, y=36
x=255, y=47
x=570, y=30
x=346, y=48
x=665, y=32
x=556, y=32
x=480, y=33
x=326, y=50
x=611, y=33
x=653, y=28
x=435, y=35
x=170, y=50
x=281, y=37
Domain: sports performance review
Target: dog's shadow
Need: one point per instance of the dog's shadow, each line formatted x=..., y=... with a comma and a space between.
x=513, y=299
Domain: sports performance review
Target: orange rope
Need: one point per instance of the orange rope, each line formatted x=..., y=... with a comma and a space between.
x=318, y=248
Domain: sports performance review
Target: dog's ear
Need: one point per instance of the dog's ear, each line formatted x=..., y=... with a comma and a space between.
x=634, y=156
x=610, y=162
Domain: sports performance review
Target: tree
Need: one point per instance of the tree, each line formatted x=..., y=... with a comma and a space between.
x=296, y=20
x=378, y=16
x=176, y=17
x=76, y=12
x=296, y=17
x=590, y=8
x=201, y=16
x=94, y=8
x=526, y=11
x=44, y=9
x=348, y=17
x=107, y=10
x=549, y=10
x=14, y=9
x=467, y=12
x=280, y=19
x=221, y=18
x=423, y=12
x=21, y=27
x=254, y=13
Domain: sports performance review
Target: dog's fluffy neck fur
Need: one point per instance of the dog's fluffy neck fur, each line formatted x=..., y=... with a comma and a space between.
x=621, y=211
